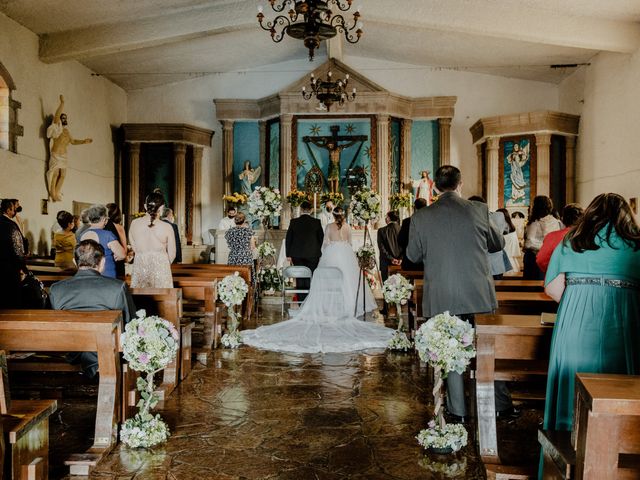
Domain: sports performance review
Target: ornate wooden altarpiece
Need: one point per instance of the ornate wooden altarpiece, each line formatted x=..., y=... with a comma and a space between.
x=372, y=101
x=177, y=150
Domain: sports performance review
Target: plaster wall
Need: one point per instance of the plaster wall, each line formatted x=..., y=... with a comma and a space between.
x=479, y=95
x=610, y=117
x=94, y=106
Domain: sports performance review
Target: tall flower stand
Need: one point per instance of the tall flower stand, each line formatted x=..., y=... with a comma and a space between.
x=369, y=265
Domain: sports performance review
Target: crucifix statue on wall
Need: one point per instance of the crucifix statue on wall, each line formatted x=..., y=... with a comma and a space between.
x=332, y=143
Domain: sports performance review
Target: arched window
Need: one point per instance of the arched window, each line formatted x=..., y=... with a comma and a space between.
x=9, y=128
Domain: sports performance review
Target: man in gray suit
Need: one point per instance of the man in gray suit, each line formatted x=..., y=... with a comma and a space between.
x=452, y=238
x=88, y=290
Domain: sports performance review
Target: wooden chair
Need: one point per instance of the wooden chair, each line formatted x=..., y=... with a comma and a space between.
x=25, y=424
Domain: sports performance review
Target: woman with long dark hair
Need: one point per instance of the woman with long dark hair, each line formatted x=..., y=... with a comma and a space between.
x=541, y=222
x=595, y=275
x=511, y=242
x=114, y=225
x=154, y=245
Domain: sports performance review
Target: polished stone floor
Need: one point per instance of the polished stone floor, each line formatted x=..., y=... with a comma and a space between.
x=252, y=414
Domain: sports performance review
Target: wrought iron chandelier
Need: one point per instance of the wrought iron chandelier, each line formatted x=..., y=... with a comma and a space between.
x=329, y=91
x=317, y=22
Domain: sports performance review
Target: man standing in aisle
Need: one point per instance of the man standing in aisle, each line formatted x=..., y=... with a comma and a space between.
x=453, y=238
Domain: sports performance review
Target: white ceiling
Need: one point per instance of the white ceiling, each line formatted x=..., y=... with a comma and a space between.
x=140, y=43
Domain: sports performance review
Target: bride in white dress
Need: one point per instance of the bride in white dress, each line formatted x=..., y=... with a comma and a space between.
x=326, y=321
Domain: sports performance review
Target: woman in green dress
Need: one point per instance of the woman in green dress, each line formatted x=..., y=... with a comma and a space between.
x=595, y=275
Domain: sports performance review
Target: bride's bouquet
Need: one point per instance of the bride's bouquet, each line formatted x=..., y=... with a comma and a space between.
x=265, y=202
x=365, y=206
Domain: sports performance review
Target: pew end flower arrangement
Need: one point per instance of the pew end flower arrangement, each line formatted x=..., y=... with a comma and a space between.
x=397, y=290
x=232, y=291
x=446, y=343
x=266, y=252
x=149, y=344
x=270, y=279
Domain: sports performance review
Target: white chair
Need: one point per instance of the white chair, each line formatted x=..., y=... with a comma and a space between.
x=293, y=272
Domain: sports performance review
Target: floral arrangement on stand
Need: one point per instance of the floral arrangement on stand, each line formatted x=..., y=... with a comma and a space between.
x=270, y=279
x=149, y=344
x=266, y=251
x=336, y=197
x=265, y=202
x=397, y=290
x=446, y=343
x=366, y=257
x=296, y=197
x=401, y=200
x=235, y=198
x=452, y=466
x=365, y=206
x=232, y=291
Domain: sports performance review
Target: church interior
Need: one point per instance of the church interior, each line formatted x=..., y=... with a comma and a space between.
x=208, y=100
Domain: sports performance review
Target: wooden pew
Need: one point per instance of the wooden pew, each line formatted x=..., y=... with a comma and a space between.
x=24, y=430
x=525, y=303
x=73, y=331
x=203, y=290
x=606, y=433
x=512, y=348
x=408, y=274
x=513, y=285
x=218, y=271
x=166, y=303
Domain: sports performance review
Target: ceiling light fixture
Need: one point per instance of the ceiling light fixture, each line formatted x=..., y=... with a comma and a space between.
x=317, y=21
x=329, y=91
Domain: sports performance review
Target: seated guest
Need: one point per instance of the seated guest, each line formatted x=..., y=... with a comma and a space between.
x=571, y=213
x=241, y=243
x=228, y=222
x=64, y=241
x=167, y=217
x=595, y=275
x=89, y=291
x=84, y=224
x=403, y=237
x=113, y=250
x=541, y=222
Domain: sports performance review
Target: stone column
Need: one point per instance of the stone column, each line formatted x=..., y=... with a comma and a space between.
x=134, y=178
x=570, y=168
x=405, y=168
x=493, y=154
x=227, y=156
x=444, y=128
x=197, y=195
x=479, y=185
x=543, y=163
x=382, y=154
x=285, y=164
x=179, y=190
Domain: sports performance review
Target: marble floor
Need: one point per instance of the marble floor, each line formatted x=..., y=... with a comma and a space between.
x=252, y=414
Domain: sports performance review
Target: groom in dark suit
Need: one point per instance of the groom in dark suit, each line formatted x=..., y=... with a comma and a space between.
x=453, y=238
x=303, y=243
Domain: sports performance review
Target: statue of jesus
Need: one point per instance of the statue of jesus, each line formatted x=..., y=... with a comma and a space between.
x=333, y=174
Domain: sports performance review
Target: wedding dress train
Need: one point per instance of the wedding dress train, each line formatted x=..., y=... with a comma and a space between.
x=327, y=321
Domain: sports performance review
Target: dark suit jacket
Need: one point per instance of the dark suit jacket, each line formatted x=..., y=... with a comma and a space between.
x=403, y=242
x=304, y=237
x=388, y=244
x=90, y=291
x=452, y=237
x=176, y=234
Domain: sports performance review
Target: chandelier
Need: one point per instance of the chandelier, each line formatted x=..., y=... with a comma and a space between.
x=329, y=91
x=317, y=22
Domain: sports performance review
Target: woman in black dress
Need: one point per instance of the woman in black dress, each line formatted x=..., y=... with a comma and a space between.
x=241, y=243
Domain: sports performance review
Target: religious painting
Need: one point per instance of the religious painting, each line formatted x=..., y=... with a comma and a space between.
x=395, y=139
x=425, y=153
x=517, y=172
x=339, y=147
x=247, y=172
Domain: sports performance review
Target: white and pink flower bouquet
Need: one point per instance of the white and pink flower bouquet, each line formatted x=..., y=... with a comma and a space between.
x=232, y=291
x=149, y=344
x=446, y=343
x=397, y=290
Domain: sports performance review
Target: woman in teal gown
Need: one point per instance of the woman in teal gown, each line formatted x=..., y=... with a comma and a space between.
x=595, y=275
